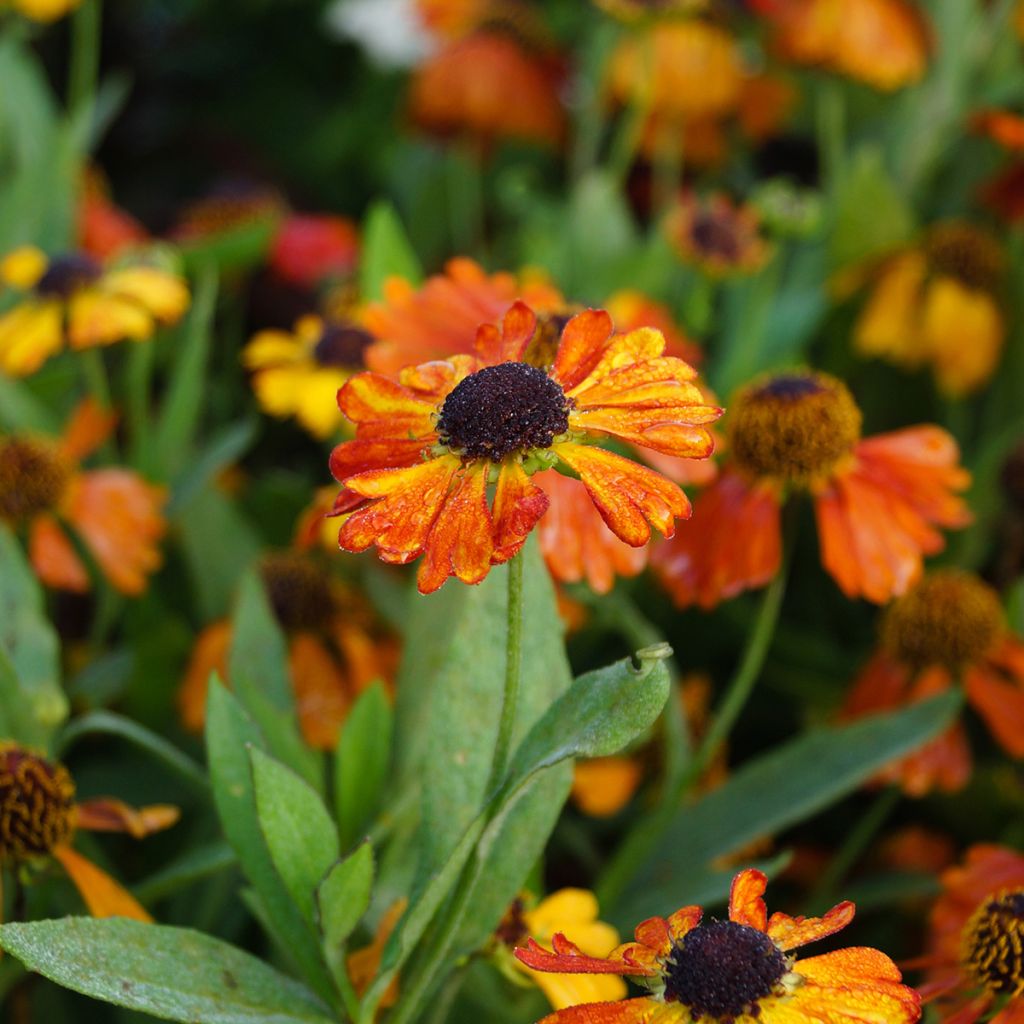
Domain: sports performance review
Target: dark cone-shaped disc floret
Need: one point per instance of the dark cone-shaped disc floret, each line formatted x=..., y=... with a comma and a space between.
x=33, y=476
x=992, y=949
x=721, y=969
x=962, y=251
x=949, y=618
x=511, y=407
x=342, y=345
x=66, y=274
x=795, y=426
x=37, y=799
x=299, y=591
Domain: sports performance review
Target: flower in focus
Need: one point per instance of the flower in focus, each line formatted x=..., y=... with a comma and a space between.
x=104, y=229
x=487, y=87
x=949, y=628
x=39, y=818
x=298, y=373
x=572, y=913
x=41, y=10
x=716, y=236
x=975, y=965
x=73, y=300
x=114, y=512
x=430, y=445
x=718, y=972
x=877, y=500
x=883, y=43
x=310, y=249
x=936, y=305
x=335, y=649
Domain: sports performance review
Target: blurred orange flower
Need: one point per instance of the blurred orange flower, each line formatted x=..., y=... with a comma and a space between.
x=974, y=960
x=949, y=628
x=936, y=305
x=39, y=818
x=495, y=418
x=716, y=235
x=335, y=649
x=114, y=512
x=877, y=500
x=310, y=249
x=104, y=229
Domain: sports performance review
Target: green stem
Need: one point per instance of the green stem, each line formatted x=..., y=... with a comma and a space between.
x=831, y=128
x=140, y=374
x=94, y=372
x=513, y=671
x=84, y=69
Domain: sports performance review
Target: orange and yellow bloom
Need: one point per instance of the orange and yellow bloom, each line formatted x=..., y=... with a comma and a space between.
x=39, y=818
x=73, y=301
x=947, y=629
x=743, y=969
x=115, y=512
x=877, y=500
x=430, y=445
x=716, y=235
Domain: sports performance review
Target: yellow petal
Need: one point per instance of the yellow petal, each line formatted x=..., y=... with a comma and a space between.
x=279, y=390
x=29, y=335
x=272, y=348
x=103, y=896
x=163, y=295
x=318, y=408
x=23, y=267
x=96, y=318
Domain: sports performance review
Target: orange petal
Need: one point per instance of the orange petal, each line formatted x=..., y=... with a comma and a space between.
x=1001, y=704
x=791, y=932
x=518, y=504
x=105, y=814
x=630, y=1011
x=360, y=456
x=321, y=696
x=89, y=426
x=602, y=786
x=569, y=959
x=54, y=558
x=628, y=495
x=856, y=965
x=685, y=919
x=103, y=896
x=662, y=430
x=510, y=343
x=655, y=934
x=368, y=399
x=461, y=539
x=745, y=903
x=583, y=342
x=209, y=655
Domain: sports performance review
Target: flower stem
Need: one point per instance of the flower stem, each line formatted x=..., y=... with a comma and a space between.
x=84, y=69
x=513, y=671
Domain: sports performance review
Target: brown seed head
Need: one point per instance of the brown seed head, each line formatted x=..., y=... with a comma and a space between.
x=33, y=476
x=992, y=947
x=37, y=800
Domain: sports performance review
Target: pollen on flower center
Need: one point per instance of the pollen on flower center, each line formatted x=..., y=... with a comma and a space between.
x=794, y=425
x=33, y=476
x=36, y=804
x=949, y=618
x=299, y=591
x=992, y=948
x=721, y=969
x=66, y=274
x=342, y=345
x=511, y=407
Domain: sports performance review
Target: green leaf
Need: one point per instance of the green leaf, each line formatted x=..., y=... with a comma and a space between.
x=775, y=791
x=170, y=973
x=361, y=763
x=344, y=896
x=600, y=714
x=867, y=186
x=238, y=248
x=230, y=733
x=258, y=670
x=299, y=833
x=386, y=252
x=224, y=449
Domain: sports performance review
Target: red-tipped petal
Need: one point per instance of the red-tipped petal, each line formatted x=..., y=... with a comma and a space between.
x=791, y=932
x=746, y=905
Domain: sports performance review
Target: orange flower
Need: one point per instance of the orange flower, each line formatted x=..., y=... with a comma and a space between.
x=948, y=628
x=114, y=512
x=104, y=229
x=974, y=959
x=429, y=446
x=883, y=43
x=335, y=650
x=716, y=235
x=877, y=500
x=39, y=818
x=311, y=248
x=935, y=304
x=486, y=87
x=717, y=972
x=451, y=19
x=1004, y=193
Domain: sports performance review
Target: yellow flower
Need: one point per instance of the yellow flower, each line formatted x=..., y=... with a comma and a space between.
x=73, y=300
x=299, y=373
x=573, y=913
x=42, y=10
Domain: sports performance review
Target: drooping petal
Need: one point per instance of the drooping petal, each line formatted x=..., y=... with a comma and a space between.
x=359, y=456
x=1001, y=704
x=54, y=558
x=792, y=932
x=102, y=895
x=89, y=426
x=630, y=1011
x=746, y=903
x=209, y=655
x=628, y=496
x=322, y=700
x=518, y=504
x=105, y=814
x=570, y=959
x=665, y=430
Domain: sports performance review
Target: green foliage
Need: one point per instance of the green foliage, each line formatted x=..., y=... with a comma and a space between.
x=344, y=896
x=386, y=252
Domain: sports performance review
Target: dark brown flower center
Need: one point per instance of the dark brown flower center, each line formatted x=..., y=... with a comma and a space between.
x=993, y=944
x=33, y=476
x=299, y=592
x=36, y=804
x=502, y=409
x=342, y=345
x=716, y=236
x=793, y=426
x=962, y=251
x=949, y=618
x=66, y=274
x=721, y=969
